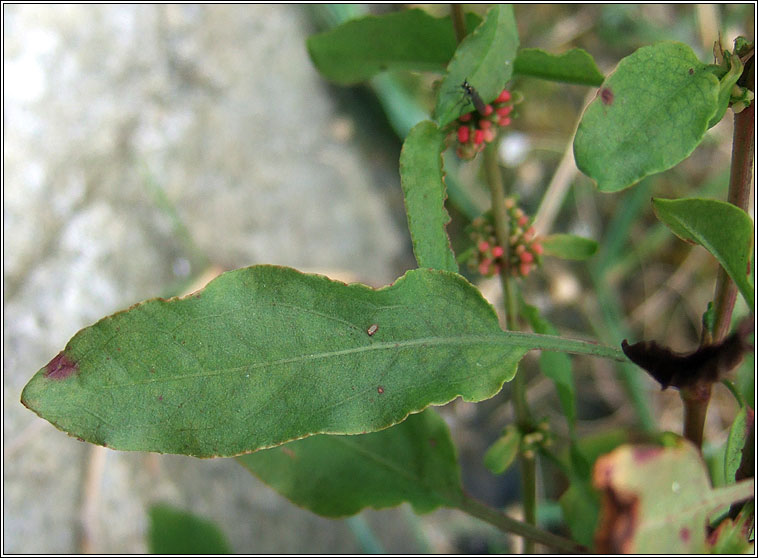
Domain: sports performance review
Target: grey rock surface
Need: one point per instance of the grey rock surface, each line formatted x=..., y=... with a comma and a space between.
x=143, y=144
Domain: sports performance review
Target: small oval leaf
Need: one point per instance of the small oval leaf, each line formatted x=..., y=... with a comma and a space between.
x=649, y=115
x=721, y=228
x=574, y=66
x=503, y=451
x=568, y=246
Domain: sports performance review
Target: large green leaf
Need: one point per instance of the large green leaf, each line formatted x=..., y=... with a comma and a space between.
x=649, y=115
x=406, y=40
x=336, y=476
x=722, y=228
x=485, y=59
x=424, y=191
x=573, y=66
x=657, y=500
x=265, y=355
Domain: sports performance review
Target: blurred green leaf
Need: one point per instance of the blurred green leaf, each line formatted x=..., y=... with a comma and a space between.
x=485, y=59
x=657, y=500
x=580, y=504
x=265, y=355
x=421, y=178
x=739, y=434
x=407, y=40
x=575, y=66
x=173, y=531
x=568, y=246
x=746, y=379
x=336, y=476
x=722, y=228
x=503, y=451
x=649, y=115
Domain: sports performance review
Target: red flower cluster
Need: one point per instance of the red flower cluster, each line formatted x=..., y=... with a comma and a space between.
x=524, y=249
x=476, y=130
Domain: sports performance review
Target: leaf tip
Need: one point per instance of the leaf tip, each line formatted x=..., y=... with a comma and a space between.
x=60, y=367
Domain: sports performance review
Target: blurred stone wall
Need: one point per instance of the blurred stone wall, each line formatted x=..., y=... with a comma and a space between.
x=144, y=144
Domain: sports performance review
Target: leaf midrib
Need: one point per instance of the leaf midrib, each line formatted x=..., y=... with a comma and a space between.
x=513, y=340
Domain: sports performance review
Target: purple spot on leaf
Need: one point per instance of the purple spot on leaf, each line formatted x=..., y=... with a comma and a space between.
x=684, y=534
x=60, y=368
x=606, y=95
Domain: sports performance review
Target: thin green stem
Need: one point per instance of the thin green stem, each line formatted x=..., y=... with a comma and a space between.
x=500, y=215
x=518, y=392
x=494, y=517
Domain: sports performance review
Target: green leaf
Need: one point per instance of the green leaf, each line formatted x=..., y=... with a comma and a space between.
x=723, y=229
x=503, y=451
x=649, y=115
x=484, y=59
x=336, y=476
x=556, y=366
x=739, y=434
x=424, y=190
x=658, y=500
x=173, y=531
x=361, y=48
x=568, y=246
x=574, y=66
x=265, y=355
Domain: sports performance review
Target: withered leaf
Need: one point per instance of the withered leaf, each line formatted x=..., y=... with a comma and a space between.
x=708, y=364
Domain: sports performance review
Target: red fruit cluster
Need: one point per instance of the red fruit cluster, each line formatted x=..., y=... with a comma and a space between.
x=475, y=130
x=524, y=250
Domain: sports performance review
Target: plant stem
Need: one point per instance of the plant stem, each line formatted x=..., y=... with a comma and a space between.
x=529, y=532
x=696, y=399
x=459, y=22
x=500, y=214
x=528, y=466
x=740, y=182
x=518, y=394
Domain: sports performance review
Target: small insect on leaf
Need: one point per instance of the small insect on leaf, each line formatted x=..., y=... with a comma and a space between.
x=373, y=328
x=473, y=96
